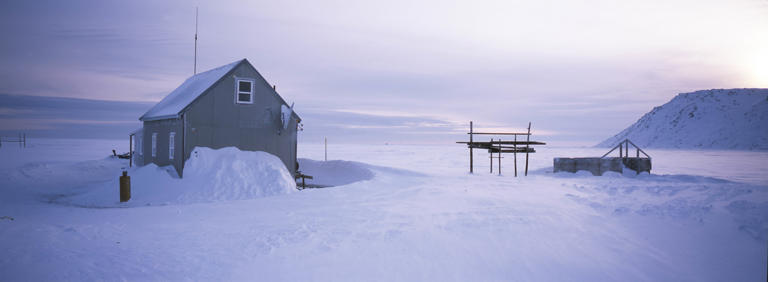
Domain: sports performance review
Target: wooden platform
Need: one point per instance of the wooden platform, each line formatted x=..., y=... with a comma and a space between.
x=597, y=166
x=496, y=146
x=501, y=147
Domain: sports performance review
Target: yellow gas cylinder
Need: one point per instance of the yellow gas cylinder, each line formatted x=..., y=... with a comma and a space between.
x=125, y=187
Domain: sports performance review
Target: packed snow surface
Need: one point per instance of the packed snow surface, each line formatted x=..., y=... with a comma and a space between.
x=401, y=213
x=209, y=175
x=707, y=119
x=334, y=172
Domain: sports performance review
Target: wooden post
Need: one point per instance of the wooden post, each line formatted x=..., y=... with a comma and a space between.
x=621, y=148
x=514, y=145
x=626, y=149
x=490, y=155
x=499, y=156
x=19, y=140
x=130, y=150
x=527, y=140
x=470, y=147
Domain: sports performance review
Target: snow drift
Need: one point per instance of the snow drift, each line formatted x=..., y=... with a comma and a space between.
x=209, y=175
x=706, y=119
x=334, y=173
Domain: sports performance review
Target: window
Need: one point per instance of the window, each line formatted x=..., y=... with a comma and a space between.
x=244, y=91
x=138, y=147
x=154, y=144
x=171, y=147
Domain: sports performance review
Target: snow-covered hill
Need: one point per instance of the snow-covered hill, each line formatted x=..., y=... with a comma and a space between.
x=706, y=119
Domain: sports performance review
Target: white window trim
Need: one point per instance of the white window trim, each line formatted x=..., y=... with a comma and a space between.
x=154, y=144
x=171, y=145
x=237, y=90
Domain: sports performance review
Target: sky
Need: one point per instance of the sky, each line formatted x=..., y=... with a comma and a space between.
x=380, y=71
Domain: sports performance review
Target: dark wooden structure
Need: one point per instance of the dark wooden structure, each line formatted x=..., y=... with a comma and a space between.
x=303, y=176
x=22, y=140
x=597, y=166
x=499, y=146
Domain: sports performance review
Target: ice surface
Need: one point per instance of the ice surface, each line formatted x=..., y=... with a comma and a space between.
x=707, y=119
x=418, y=215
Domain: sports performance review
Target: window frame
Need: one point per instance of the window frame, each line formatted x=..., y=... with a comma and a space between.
x=171, y=144
x=238, y=92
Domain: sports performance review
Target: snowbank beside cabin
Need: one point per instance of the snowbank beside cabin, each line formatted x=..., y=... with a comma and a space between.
x=707, y=119
x=209, y=176
x=334, y=173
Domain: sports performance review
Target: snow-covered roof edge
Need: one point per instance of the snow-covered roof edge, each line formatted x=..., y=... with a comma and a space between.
x=173, y=104
x=166, y=109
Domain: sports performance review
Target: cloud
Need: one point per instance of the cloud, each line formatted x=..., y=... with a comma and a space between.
x=395, y=70
x=41, y=116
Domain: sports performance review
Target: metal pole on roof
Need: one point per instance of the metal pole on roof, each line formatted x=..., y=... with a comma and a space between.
x=195, y=68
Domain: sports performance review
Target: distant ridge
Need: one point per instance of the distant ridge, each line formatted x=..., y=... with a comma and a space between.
x=733, y=119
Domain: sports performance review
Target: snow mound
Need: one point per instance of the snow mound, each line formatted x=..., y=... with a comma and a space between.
x=706, y=119
x=334, y=173
x=209, y=175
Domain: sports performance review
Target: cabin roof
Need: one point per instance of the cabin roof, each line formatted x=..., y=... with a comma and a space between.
x=175, y=102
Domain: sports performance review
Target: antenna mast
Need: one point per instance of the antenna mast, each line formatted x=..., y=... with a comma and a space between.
x=195, y=69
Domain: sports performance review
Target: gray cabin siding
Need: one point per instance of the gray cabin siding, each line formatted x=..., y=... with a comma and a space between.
x=215, y=120
x=163, y=128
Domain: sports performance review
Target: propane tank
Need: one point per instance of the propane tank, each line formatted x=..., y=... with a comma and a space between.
x=125, y=187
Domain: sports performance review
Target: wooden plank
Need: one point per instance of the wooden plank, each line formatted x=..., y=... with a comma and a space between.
x=505, y=142
x=497, y=133
x=491, y=158
x=515, y=152
x=470, y=148
x=518, y=150
x=526, y=148
x=499, y=156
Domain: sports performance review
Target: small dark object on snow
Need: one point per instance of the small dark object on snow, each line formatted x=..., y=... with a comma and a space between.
x=125, y=187
x=303, y=177
x=6, y=217
x=121, y=156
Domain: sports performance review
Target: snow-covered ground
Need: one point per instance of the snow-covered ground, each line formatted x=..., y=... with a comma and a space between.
x=397, y=213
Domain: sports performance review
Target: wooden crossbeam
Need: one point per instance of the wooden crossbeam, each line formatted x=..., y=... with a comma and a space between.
x=503, y=142
x=499, y=146
x=498, y=133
